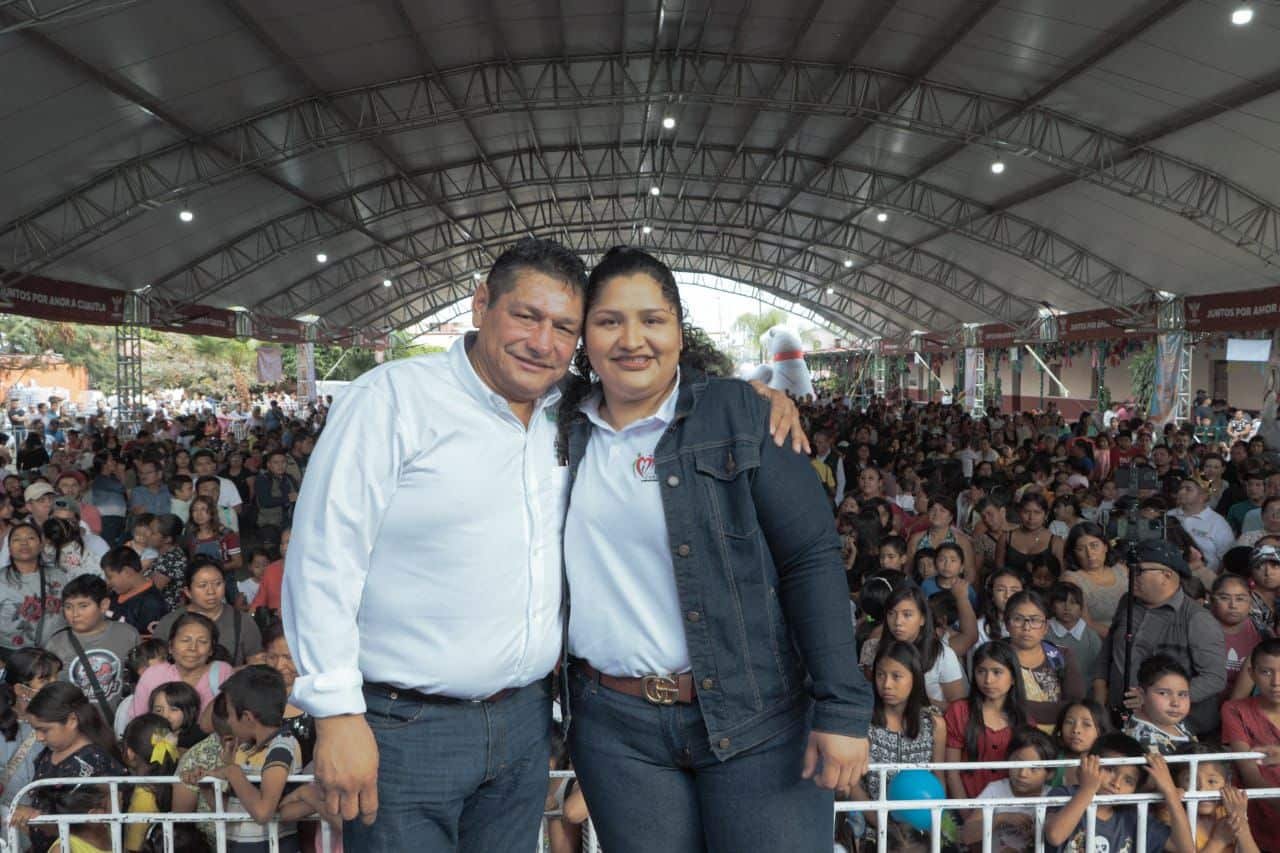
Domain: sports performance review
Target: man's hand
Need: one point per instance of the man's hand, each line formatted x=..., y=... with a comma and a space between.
x=844, y=760
x=346, y=767
x=1133, y=698
x=784, y=418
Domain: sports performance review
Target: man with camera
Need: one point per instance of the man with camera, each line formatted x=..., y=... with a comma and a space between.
x=1165, y=621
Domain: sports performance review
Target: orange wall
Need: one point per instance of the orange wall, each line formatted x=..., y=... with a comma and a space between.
x=73, y=377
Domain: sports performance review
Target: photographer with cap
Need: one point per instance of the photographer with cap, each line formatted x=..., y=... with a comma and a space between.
x=1165, y=621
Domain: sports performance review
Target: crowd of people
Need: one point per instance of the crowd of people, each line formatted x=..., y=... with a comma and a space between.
x=1020, y=586
x=1030, y=588
x=139, y=624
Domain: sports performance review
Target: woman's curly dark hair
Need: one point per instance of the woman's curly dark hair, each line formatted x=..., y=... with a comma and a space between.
x=698, y=353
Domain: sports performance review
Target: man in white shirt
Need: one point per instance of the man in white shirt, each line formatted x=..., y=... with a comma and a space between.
x=422, y=588
x=1212, y=534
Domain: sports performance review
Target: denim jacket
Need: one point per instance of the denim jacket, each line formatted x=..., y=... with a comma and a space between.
x=758, y=571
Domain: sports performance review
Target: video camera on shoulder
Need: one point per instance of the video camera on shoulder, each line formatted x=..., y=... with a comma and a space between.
x=1127, y=525
x=1132, y=479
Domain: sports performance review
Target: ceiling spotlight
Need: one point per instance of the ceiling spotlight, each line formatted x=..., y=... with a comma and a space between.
x=648, y=229
x=186, y=215
x=882, y=217
x=476, y=275
x=848, y=263
x=386, y=282
x=239, y=309
x=997, y=167
x=1242, y=15
x=830, y=290
x=322, y=258
x=307, y=318
x=655, y=191
x=669, y=122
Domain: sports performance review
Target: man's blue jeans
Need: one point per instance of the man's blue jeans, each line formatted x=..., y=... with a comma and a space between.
x=469, y=777
x=652, y=782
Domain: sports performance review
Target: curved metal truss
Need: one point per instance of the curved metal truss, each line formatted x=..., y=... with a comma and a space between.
x=566, y=170
x=1079, y=150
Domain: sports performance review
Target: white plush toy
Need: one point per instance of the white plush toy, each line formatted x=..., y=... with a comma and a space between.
x=790, y=373
x=754, y=372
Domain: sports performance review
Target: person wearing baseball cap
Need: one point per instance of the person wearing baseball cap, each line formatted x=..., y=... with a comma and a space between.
x=1264, y=571
x=1165, y=621
x=1212, y=534
x=38, y=499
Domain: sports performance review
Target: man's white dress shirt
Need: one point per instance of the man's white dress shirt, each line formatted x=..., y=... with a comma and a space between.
x=625, y=616
x=426, y=540
x=1211, y=532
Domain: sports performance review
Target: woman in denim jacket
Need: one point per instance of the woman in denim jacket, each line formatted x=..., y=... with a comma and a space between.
x=712, y=684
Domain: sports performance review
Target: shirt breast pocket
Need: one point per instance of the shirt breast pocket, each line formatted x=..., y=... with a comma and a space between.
x=725, y=477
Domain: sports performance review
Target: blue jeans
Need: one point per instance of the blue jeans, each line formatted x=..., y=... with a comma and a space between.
x=652, y=782
x=469, y=777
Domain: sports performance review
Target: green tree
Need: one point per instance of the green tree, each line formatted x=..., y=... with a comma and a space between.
x=1142, y=375
x=755, y=325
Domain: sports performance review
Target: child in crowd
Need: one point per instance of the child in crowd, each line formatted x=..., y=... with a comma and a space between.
x=77, y=743
x=1044, y=570
x=150, y=749
x=170, y=570
x=1078, y=728
x=949, y=563
x=92, y=648
x=179, y=704
x=1164, y=688
x=134, y=597
x=904, y=727
x=256, y=700
x=181, y=490
x=893, y=554
x=1014, y=827
x=1221, y=827
x=1116, y=827
x=1068, y=628
x=140, y=540
x=869, y=630
x=1000, y=586
x=1253, y=725
x=923, y=565
x=247, y=590
x=1229, y=602
x=142, y=657
x=908, y=620
x=981, y=728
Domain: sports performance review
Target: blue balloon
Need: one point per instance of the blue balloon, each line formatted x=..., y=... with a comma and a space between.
x=915, y=785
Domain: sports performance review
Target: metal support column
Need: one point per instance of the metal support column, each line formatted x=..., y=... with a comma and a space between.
x=973, y=350
x=878, y=368
x=129, y=402
x=1171, y=319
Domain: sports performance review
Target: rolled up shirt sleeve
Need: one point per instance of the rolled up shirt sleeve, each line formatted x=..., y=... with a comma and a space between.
x=350, y=481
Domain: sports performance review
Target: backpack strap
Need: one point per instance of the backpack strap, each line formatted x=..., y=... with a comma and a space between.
x=98, y=693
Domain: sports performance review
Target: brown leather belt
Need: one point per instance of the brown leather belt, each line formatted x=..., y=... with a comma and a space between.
x=656, y=689
x=393, y=692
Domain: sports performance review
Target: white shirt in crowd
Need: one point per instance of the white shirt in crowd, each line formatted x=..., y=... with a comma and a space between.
x=1212, y=534
x=426, y=540
x=624, y=614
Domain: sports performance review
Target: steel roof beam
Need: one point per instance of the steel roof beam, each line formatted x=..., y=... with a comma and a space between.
x=84, y=218
x=1114, y=39
x=846, y=183
x=964, y=22
x=836, y=309
x=1083, y=151
x=434, y=245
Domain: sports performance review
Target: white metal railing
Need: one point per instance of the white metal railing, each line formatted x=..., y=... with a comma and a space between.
x=988, y=807
x=117, y=817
